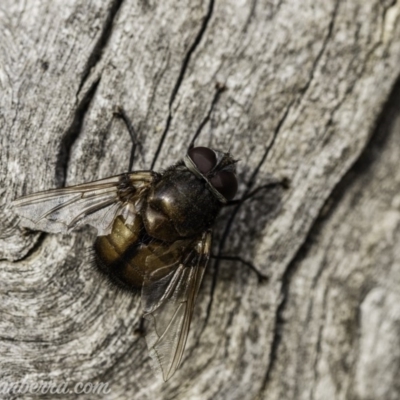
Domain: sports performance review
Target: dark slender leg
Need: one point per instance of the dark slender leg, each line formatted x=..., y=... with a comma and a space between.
x=120, y=112
x=284, y=183
x=140, y=329
x=261, y=277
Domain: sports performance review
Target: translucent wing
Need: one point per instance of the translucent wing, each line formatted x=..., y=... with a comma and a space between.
x=96, y=203
x=168, y=305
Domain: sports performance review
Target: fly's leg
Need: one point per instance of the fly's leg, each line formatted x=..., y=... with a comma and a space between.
x=283, y=183
x=140, y=331
x=261, y=277
x=120, y=113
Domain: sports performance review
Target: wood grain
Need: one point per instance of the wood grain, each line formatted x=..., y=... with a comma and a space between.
x=308, y=84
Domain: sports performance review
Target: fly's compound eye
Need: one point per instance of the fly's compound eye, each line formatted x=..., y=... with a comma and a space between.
x=204, y=158
x=226, y=183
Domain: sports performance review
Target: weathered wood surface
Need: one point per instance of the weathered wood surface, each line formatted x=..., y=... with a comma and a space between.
x=306, y=84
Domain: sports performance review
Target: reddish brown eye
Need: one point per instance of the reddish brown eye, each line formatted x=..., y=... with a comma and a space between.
x=204, y=158
x=226, y=183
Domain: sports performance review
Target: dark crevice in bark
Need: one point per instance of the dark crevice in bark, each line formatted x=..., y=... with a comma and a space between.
x=356, y=343
x=181, y=75
x=250, y=16
x=323, y=49
x=219, y=89
x=37, y=245
x=287, y=275
x=361, y=167
x=349, y=90
x=14, y=339
x=276, y=132
x=279, y=319
x=236, y=209
x=101, y=42
x=72, y=134
x=318, y=348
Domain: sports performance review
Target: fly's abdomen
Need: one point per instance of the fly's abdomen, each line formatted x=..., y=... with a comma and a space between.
x=129, y=256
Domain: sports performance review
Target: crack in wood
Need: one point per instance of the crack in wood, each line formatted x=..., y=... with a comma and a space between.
x=98, y=48
x=250, y=16
x=288, y=273
x=35, y=248
x=181, y=75
x=356, y=347
x=72, y=134
x=228, y=226
x=317, y=60
x=219, y=89
x=360, y=166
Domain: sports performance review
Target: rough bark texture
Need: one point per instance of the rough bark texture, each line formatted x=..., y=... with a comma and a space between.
x=311, y=96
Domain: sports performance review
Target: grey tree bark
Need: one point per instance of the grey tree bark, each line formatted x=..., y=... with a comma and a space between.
x=311, y=96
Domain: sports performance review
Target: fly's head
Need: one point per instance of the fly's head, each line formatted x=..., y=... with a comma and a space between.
x=216, y=168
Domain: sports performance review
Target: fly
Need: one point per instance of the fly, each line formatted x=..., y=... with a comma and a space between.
x=154, y=233
x=154, y=236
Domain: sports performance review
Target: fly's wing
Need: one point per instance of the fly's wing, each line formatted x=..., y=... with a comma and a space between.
x=96, y=203
x=168, y=305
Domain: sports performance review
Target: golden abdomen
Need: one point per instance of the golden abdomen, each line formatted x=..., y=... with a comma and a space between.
x=129, y=256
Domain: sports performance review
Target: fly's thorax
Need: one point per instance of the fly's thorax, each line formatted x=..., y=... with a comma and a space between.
x=179, y=205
